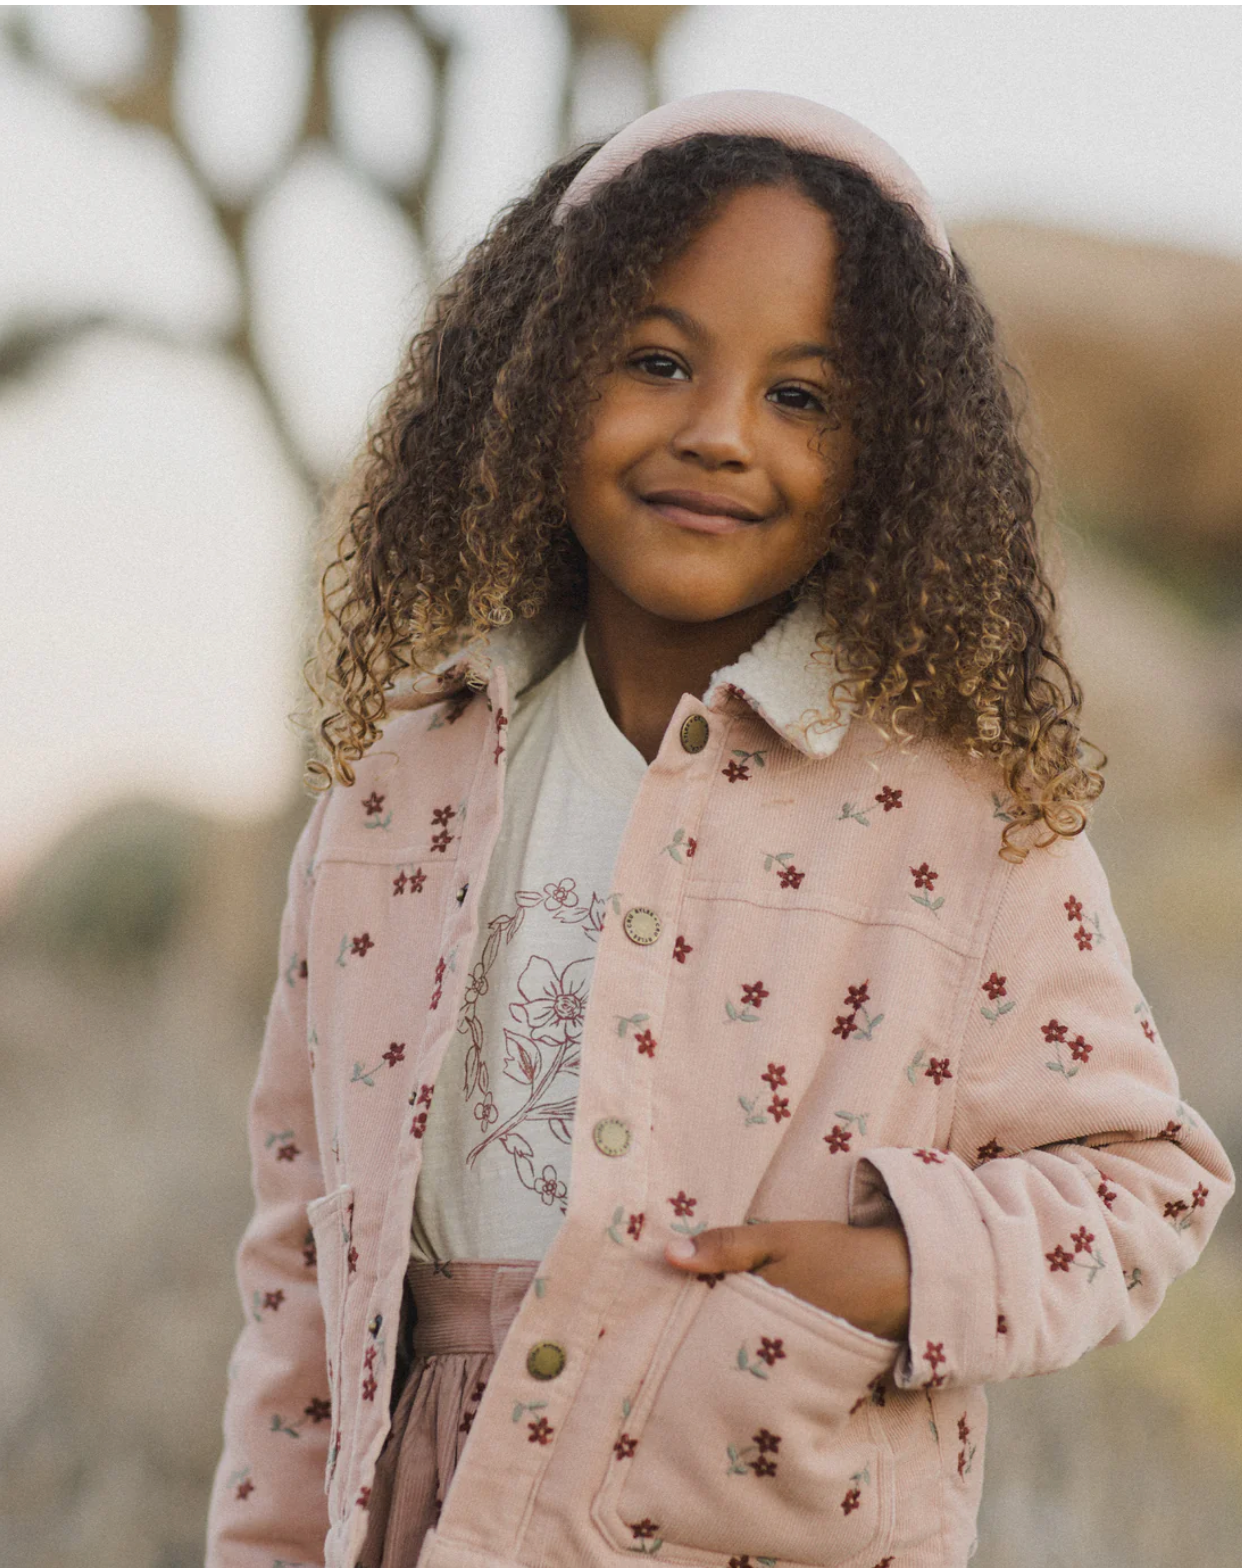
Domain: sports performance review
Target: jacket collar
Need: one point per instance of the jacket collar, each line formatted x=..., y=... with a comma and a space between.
x=776, y=677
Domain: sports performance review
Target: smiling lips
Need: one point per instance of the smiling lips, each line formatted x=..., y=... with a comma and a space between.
x=696, y=509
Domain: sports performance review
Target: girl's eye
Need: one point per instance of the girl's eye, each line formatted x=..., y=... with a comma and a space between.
x=662, y=365
x=801, y=399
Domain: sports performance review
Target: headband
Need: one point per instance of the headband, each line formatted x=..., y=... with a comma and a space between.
x=800, y=123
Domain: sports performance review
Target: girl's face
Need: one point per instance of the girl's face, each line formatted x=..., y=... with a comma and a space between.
x=710, y=475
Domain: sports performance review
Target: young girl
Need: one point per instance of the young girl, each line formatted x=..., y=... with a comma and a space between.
x=694, y=583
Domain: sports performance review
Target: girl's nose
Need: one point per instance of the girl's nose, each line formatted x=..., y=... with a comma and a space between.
x=716, y=430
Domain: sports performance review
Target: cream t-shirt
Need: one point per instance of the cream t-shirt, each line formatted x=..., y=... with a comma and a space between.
x=496, y=1148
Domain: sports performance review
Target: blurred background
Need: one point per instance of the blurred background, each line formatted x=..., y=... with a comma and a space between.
x=218, y=227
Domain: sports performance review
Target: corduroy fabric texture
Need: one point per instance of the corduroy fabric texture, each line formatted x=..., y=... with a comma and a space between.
x=851, y=1006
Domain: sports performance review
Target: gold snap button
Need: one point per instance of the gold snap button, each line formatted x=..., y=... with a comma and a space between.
x=545, y=1360
x=694, y=732
x=612, y=1137
x=642, y=926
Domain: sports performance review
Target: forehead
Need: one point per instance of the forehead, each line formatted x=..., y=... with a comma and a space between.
x=766, y=259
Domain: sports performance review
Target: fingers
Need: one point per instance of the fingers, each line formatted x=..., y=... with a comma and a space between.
x=728, y=1249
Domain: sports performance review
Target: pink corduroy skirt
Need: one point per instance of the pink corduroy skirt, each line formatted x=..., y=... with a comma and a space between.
x=456, y=1317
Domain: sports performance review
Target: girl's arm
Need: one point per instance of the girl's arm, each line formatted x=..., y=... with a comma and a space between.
x=268, y=1500
x=1077, y=1185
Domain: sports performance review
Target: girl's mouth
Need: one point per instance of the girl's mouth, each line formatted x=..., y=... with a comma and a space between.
x=703, y=513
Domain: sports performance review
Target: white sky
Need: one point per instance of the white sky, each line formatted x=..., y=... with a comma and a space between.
x=150, y=533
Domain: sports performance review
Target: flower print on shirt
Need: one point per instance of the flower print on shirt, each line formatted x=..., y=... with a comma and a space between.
x=542, y=1048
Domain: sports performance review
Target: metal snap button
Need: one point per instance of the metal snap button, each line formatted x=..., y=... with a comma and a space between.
x=642, y=926
x=612, y=1137
x=545, y=1360
x=694, y=732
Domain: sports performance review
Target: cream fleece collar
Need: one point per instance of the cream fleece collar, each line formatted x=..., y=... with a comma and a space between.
x=776, y=676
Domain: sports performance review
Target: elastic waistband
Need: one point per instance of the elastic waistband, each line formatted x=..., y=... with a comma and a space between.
x=466, y=1306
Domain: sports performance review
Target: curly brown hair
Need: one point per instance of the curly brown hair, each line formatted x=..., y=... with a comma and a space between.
x=935, y=602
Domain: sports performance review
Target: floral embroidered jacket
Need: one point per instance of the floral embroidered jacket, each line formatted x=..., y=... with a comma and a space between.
x=841, y=1003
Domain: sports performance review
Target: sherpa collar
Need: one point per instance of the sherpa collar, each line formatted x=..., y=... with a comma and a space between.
x=776, y=676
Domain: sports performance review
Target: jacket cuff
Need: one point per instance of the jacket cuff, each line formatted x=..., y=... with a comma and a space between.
x=953, y=1290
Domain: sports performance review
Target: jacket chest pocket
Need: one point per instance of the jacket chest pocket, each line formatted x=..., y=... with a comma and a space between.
x=331, y=1223
x=753, y=1436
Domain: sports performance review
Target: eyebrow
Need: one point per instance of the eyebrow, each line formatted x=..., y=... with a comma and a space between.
x=698, y=334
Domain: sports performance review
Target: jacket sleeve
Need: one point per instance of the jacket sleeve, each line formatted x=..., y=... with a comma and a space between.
x=1076, y=1185
x=268, y=1500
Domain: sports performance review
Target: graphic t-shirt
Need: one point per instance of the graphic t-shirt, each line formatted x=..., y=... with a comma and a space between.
x=496, y=1148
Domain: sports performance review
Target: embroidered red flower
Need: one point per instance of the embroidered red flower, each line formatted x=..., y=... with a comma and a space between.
x=851, y=1500
x=994, y=985
x=763, y=1466
x=991, y=1150
x=680, y=948
x=1084, y=938
x=1058, y=1258
x=419, y=1125
x=775, y=1076
x=710, y=1280
x=395, y=1053
x=791, y=876
x=691, y=845
x=938, y=1069
x=1170, y=1131
x=963, y=1431
x=373, y=804
x=858, y=996
x=838, y=1140
x=1002, y=1327
x=753, y=995
x=310, y=1254
x=272, y=1300
x=1148, y=1030
x=1053, y=1032
x=369, y=1386
x=466, y=1422
x=1106, y=1194
x=318, y=1410
x=923, y=875
x=934, y=1354
x=351, y=1257
x=646, y=1043
x=1073, y=908
x=682, y=1205
x=771, y=1350
x=889, y=798
x=769, y=1442
x=1079, y=1049
x=644, y=1529
x=844, y=1026
x=361, y=945
x=442, y=816
x=540, y=1431
x=735, y=771
x=1172, y=1210
x=624, y=1446
x=288, y=1151
x=1200, y=1196
x=440, y=841
x=1082, y=1239
x=368, y=1359
x=635, y=1226
x=244, y=1489
x=929, y=1156
x=779, y=1109
x=363, y=1499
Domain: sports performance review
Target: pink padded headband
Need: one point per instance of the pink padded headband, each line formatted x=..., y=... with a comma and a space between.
x=798, y=122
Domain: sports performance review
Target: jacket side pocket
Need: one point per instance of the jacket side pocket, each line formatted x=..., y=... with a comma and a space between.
x=757, y=1439
x=331, y=1223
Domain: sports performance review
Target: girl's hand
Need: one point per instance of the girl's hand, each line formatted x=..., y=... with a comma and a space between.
x=860, y=1273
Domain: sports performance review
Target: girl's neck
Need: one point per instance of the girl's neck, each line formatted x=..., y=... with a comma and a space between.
x=643, y=664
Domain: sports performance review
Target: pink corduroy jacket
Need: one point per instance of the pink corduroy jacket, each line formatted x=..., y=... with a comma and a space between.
x=856, y=1006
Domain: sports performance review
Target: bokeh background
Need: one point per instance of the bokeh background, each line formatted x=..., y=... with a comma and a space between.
x=218, y=226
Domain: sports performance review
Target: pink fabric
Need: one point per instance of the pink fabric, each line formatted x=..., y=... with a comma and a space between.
x=856, y=1006
x=800, y=123
x=463, y=1311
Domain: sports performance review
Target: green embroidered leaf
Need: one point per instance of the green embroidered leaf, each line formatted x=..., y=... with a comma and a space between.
x=1054, y=1067
x=875, y=1022
x=742, y=1359
x=938, y=903
x=757, y=1371
x=625, y=1409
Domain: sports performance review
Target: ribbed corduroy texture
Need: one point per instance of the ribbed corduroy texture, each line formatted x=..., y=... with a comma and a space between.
x=855, y=1004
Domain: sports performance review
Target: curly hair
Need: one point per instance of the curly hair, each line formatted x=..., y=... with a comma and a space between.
x=935, y=601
